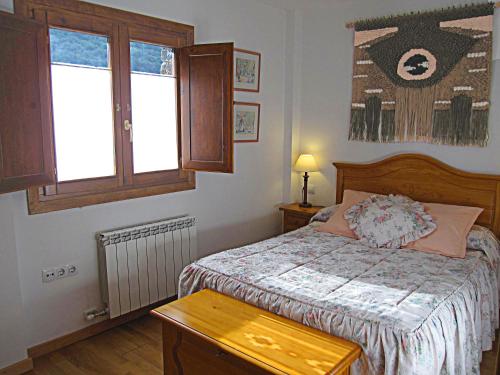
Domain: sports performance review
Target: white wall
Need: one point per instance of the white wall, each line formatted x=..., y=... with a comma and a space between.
x=231, y=209
x=12, y=338
x=326, y=95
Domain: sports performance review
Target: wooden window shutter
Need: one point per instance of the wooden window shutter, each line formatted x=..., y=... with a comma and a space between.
x=206, y=83
x=26, y=157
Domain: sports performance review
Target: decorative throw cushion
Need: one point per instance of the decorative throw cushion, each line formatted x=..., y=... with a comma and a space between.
x=389, y=221
x=336, y=224
x=453, y=225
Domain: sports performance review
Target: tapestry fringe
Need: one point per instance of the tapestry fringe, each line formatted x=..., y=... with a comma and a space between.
x=443, y=14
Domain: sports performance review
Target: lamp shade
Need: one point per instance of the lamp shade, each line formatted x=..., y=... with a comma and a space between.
x=306, y=163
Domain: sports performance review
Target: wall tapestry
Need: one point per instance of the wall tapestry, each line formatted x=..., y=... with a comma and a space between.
x=423, y=77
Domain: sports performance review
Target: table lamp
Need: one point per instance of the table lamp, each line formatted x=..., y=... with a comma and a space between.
x=305, y=163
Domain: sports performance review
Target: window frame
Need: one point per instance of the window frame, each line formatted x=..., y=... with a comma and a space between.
x=83, y=23
x=121, y=27
x=145, y=35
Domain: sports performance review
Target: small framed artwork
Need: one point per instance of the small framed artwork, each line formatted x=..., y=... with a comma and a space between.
x=246, y=122
x=246, y=70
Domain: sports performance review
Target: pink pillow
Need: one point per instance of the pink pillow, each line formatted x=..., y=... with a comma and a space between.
x=337, y=224
x=453, y=226
x=449, y=239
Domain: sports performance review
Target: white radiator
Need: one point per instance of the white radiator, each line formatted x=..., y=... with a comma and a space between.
x=140, y=265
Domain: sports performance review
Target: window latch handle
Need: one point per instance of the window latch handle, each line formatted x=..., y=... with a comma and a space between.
x=127, y=125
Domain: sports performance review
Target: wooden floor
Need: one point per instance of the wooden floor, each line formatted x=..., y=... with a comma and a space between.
x=135, y=348
x=489, y=364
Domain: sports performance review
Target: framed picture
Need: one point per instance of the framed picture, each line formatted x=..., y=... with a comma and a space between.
x=246, y=70
x=246, y=122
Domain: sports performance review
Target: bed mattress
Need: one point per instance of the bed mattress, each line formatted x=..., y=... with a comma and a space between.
x=411, y=312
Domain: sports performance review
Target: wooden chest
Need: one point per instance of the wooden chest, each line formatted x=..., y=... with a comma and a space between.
x=210, y=333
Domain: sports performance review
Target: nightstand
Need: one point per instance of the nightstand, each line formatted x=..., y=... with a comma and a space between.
x=295, y=217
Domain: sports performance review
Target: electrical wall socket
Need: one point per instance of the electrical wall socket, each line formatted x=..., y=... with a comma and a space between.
x=72, y=270
x=48, y=275
x=51, y=274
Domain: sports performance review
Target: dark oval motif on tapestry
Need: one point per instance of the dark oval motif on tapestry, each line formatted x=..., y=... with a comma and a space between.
x=417, y=64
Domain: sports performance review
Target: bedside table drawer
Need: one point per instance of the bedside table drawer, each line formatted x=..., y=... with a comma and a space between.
x=296, y=220
x=293, y=222
x=290, y=228
x=295, y=217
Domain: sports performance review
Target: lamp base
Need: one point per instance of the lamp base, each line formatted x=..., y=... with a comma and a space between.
x=305, y=205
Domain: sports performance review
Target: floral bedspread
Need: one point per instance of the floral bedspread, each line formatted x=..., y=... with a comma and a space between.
x=411, y=312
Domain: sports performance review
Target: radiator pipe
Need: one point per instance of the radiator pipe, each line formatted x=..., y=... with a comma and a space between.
x=91, y=315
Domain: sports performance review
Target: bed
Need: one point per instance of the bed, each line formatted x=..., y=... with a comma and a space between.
x=411, y=312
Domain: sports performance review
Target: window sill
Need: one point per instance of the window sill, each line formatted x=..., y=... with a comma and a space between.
x=38, y=203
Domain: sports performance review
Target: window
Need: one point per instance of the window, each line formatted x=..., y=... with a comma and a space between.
x=82, y=102
x=134, y=107
x=154, y=107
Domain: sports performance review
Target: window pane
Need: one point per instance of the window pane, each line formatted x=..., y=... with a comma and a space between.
x=154, y=108
x=82, y=102
x=69, y=47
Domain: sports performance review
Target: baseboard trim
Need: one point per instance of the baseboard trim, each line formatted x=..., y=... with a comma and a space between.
x=18, y=368
x=84, y=333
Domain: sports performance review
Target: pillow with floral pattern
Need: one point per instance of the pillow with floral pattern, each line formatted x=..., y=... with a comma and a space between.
x=389, y=221
x=324, y=214
x=483, y=239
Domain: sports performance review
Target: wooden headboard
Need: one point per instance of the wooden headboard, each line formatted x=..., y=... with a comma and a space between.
x=425, y=179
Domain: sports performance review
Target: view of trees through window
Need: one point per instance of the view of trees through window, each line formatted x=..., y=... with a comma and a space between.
x=67, y=47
